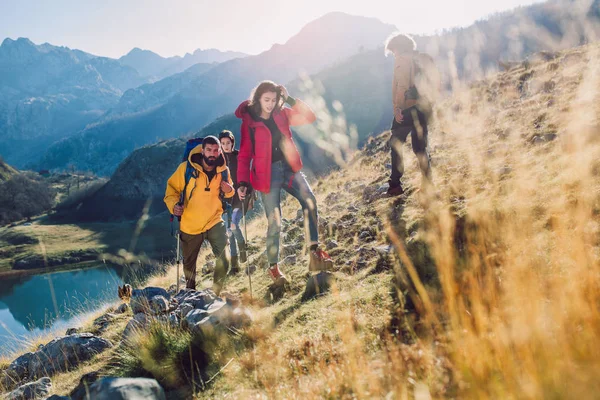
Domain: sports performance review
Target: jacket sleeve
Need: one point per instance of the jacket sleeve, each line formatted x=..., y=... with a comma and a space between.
x=175, y=186
x=232, y=193
x=401, y=83
x=245, y=154
x=300, y=114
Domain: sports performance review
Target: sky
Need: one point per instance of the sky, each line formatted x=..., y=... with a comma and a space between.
x=113, y=27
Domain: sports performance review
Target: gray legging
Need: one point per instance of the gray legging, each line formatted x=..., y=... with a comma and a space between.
x=295, y=184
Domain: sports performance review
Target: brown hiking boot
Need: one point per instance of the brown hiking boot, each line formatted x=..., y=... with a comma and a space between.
x=320, y=261
x=395, y=190
x=277, y=276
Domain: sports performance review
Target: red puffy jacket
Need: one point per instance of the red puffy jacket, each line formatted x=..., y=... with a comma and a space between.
x=259, y=152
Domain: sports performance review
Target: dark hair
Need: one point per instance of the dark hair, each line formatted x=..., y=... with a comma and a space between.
x=227, y=134
x=211, y=140
x=257, y=92
x=401, y=43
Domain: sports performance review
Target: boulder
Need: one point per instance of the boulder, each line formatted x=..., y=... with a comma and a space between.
x=17, y=371
x=141, y=298
x=65, y=353
x=31, y=391
x=94, y=387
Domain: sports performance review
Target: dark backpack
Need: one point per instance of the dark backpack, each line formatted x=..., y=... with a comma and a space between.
x=190, y=172
x=424, y=79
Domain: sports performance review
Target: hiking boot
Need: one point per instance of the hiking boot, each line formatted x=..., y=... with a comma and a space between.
x=395, y=190
x=277, y=276
x=235, y=266
x=320, y=261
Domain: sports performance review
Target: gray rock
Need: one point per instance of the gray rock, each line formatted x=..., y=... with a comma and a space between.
x=384, y=249
x=110, y=388
x=104, y=321
x=184, y=309
x=300, y=214
x=72, y=331
x=173, y=320
x=65, y=353
x=140, y=299
x=57, y=397
x=17, y=371
x=383, y=188
x=365, y=235
x=123, y=308
x=291, y=249
x=139, y=322
x=290, y=260
x=198, y=299
x=32, y=390
x=331, y=244
x=221, y=310
x=206, y=326
x=159, y=305
x=195, y=316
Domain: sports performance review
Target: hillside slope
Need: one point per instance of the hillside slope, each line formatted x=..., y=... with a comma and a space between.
x=484, y=287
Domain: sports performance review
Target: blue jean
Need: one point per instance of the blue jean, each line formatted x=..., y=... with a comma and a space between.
x=295, y=184
x=236, y=237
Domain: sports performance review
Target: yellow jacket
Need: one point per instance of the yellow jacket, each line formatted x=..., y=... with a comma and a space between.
x=204, y=209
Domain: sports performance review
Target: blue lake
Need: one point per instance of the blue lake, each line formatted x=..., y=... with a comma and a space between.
x=37, y=305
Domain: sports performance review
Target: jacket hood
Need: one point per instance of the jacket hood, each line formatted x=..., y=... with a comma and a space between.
x=242, y=109
x=221, y=163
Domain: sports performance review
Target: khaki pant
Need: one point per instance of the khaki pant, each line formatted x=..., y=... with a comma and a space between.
x=190, y=244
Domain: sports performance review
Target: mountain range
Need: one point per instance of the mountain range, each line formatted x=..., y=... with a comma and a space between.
x=155, y=67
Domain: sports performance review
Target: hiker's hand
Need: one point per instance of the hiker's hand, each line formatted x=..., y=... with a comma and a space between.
x=398, y=115
x=226, y=187
x=177, y=210
x=284, y=92
x=242, y=192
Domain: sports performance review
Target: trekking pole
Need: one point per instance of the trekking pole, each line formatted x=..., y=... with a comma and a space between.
x=246, y=240
x=178, y=258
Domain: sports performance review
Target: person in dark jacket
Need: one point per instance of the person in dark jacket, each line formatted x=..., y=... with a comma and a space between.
x=269, y=161
x=236, y=236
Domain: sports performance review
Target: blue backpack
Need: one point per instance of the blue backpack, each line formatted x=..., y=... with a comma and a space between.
x=190, y=172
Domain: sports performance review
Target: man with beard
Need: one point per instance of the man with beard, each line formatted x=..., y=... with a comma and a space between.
x=202, y=208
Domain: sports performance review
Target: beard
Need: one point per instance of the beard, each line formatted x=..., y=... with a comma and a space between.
x=210, y=160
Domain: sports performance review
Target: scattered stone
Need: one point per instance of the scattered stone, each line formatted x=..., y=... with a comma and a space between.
x=291, y=249
x=104, y=321
x=290, y=260
x=331, y=244
x=300, y=214
x=317, y=285
x=123, y=308
x=31, y=391
x=384, y=249
x=383, y=188
x=159, y=305
x=365, y=236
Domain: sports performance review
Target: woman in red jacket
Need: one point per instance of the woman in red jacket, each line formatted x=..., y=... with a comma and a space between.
x=269, y=161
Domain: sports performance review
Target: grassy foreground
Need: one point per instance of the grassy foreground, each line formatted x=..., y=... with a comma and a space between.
x=492, y=289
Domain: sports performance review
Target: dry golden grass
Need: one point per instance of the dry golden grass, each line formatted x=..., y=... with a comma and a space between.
x=501, y=260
